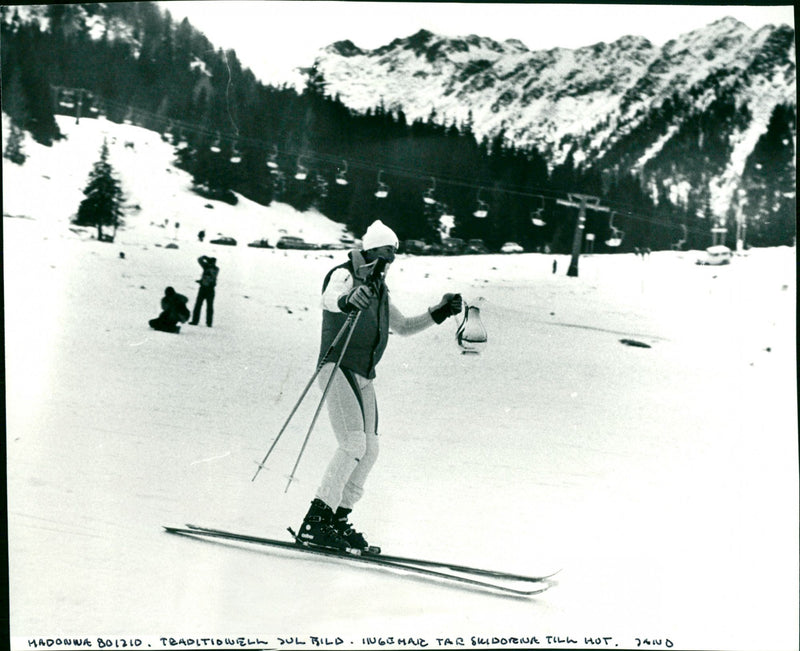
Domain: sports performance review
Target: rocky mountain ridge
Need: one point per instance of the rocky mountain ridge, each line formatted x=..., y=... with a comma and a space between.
x=587, y=102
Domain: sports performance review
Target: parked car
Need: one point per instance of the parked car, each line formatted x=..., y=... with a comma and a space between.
x=715, y=255
x=261, y=244
x=413, y=247
x=291, y=242
x=226, y=241
x=452, y=246
x=432, y=249
x=511, y=247
x=476, y=246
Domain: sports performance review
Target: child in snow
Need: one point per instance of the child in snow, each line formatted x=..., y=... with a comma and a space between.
x=207, y=282
x=173, y=310
x=352, y=407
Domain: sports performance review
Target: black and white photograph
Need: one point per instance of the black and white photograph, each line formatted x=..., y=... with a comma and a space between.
x=390, y=325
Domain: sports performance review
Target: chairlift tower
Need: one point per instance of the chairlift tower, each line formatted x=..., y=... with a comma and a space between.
x=77, y=97
x=582, y=202
x=741, y=221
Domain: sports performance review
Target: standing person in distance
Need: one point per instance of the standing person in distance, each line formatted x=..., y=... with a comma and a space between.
x=208, y=282
x=352, y=407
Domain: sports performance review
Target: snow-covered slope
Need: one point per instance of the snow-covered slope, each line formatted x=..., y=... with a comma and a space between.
x=157, y=194
x=663, y=480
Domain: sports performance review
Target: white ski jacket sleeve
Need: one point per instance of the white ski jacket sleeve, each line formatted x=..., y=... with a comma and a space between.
x=408, y=325
x=339, y=283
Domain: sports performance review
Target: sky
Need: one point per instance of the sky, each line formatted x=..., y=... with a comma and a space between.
x=272, y=37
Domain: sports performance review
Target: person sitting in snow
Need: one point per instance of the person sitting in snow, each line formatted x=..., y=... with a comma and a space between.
x=208, y=282
x=173, y=306
x=352, y=407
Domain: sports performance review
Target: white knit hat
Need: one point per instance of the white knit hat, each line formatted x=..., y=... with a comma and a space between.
x=378, y=234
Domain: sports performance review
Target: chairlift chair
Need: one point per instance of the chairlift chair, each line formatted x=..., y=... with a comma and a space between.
x=236, y=155
x=429, y=193
x=216, y=145
x=302, y=173
x=483, y=208
x=341, y=175
x=536, y=215
x=616, y=235
x=383, y=189
x=272, y=159
x=67, y=100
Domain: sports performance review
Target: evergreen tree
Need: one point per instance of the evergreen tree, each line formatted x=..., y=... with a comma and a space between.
x=103, y=203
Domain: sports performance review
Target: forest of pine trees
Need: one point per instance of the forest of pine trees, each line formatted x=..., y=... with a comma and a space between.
x=228, y=129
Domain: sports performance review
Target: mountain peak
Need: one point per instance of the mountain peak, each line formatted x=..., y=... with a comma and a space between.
x=728, y=22
x=345, y=48
x=720, y=31
x=516, y=44
x=631, y=42
x=420, y=40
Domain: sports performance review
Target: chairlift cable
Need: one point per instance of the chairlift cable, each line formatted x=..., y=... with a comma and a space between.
x=184, y=126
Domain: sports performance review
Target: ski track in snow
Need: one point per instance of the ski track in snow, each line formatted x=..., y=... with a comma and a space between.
x=658, y=479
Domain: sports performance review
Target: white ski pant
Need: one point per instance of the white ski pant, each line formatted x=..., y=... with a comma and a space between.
x=353, y=414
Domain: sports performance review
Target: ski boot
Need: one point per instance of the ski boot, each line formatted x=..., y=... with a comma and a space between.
x=354, y=538
x=317, y=529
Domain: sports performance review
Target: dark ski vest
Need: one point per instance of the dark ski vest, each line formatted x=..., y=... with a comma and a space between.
x=370, y=335
x=209, y=277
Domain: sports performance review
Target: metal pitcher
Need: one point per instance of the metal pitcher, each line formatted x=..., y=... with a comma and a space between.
x=471, y=335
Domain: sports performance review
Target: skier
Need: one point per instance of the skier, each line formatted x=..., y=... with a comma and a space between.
x=352, y=407
x=173, y=306
x=207, y=282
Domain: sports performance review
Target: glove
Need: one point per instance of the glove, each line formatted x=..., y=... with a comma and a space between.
x=450, y=305
x=357, y=298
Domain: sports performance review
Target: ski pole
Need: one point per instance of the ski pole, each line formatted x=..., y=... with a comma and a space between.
x=350, y=322
x=352, y=319
x=322, y=400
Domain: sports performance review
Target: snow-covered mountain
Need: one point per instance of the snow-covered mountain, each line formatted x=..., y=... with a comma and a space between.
x=547, y=98
x=592, y=101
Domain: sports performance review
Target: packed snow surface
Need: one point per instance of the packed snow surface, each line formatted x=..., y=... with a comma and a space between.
x=662, y=481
